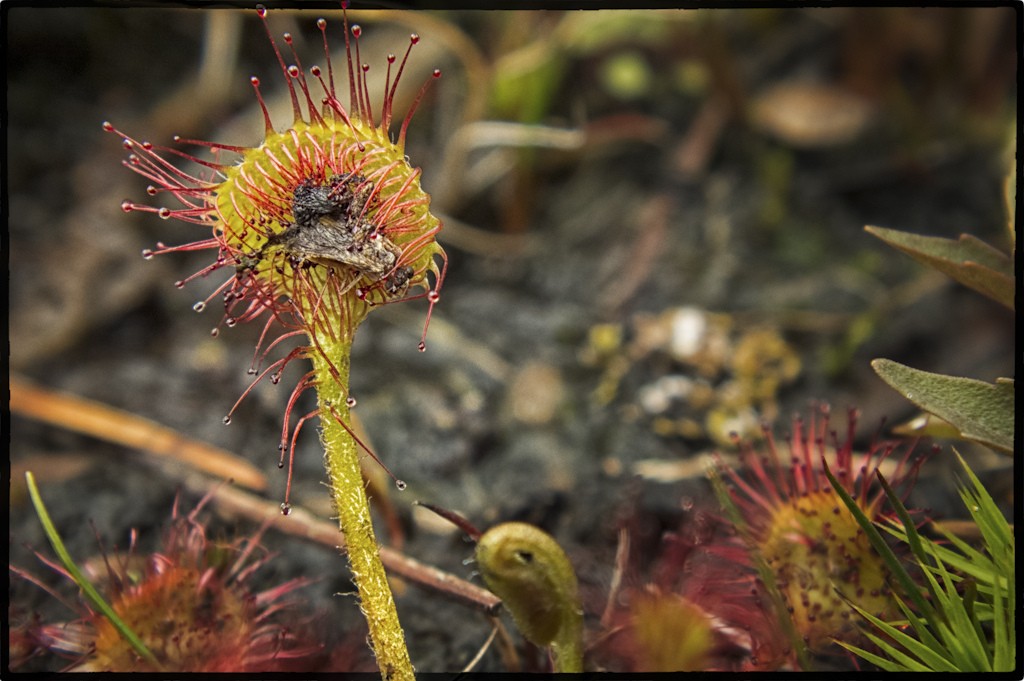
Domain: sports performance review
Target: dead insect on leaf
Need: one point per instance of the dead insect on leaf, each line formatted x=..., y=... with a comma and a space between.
x=332, y=226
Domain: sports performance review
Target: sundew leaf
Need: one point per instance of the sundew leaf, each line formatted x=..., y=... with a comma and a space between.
x=968, y=260
x=981, y=411
x=764, y=571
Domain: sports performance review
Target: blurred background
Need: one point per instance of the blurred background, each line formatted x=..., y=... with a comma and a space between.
x=654, y=222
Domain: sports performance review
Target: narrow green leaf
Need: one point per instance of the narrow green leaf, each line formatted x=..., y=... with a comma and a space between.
x=926, y=658
x=994, y=528
x=957, y=632
x=879, y=545
x=924, y=634
x=968, y=260
x=983, y=412
x=905, y=661
x=964, y=634
x=877, y=660
x=971, y=562
x=84, y=584
x=1003, y=641
x=998, y=542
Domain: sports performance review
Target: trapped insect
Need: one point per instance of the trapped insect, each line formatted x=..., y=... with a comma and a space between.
x=331, y=226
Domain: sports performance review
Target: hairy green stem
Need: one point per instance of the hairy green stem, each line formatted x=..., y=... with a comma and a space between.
x=341, y=459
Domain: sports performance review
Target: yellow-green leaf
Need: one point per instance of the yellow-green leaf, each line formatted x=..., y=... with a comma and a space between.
x=928, y=425
x=968, y=260
x=981, y=411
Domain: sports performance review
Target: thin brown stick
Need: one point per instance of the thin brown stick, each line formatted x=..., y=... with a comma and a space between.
x=480, y=653
x=621, y=558
x=124, y=428
x=301, y=523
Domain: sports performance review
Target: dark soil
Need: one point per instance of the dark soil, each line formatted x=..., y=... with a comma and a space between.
x=614, y=231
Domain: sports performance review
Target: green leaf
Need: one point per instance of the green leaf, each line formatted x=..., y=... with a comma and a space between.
x=970, y=631
x=926, y=658
x=877, y=660
x=927, y=425
x=878, y=544
x=968, y=260
x=982, y=411
x=84, y=584
x=994, y=528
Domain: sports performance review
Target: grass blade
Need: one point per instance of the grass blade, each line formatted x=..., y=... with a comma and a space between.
x=87, y=588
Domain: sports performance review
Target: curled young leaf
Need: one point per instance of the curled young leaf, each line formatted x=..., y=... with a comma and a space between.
x=530, y=572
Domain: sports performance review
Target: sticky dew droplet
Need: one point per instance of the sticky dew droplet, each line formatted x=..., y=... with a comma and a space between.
x=200, y=306
x=286, y=508
x=147, y=253
x=400, y=485
x=422, y=347
x=350, y=401
x=226, y=420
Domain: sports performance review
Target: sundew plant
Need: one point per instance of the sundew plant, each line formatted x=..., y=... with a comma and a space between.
x=315, y=226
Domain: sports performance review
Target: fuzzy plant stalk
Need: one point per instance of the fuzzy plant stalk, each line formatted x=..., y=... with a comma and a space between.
x=316, y=226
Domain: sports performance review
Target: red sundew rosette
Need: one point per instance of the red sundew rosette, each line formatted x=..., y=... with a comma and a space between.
x=193, y=606
x=820, y=558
